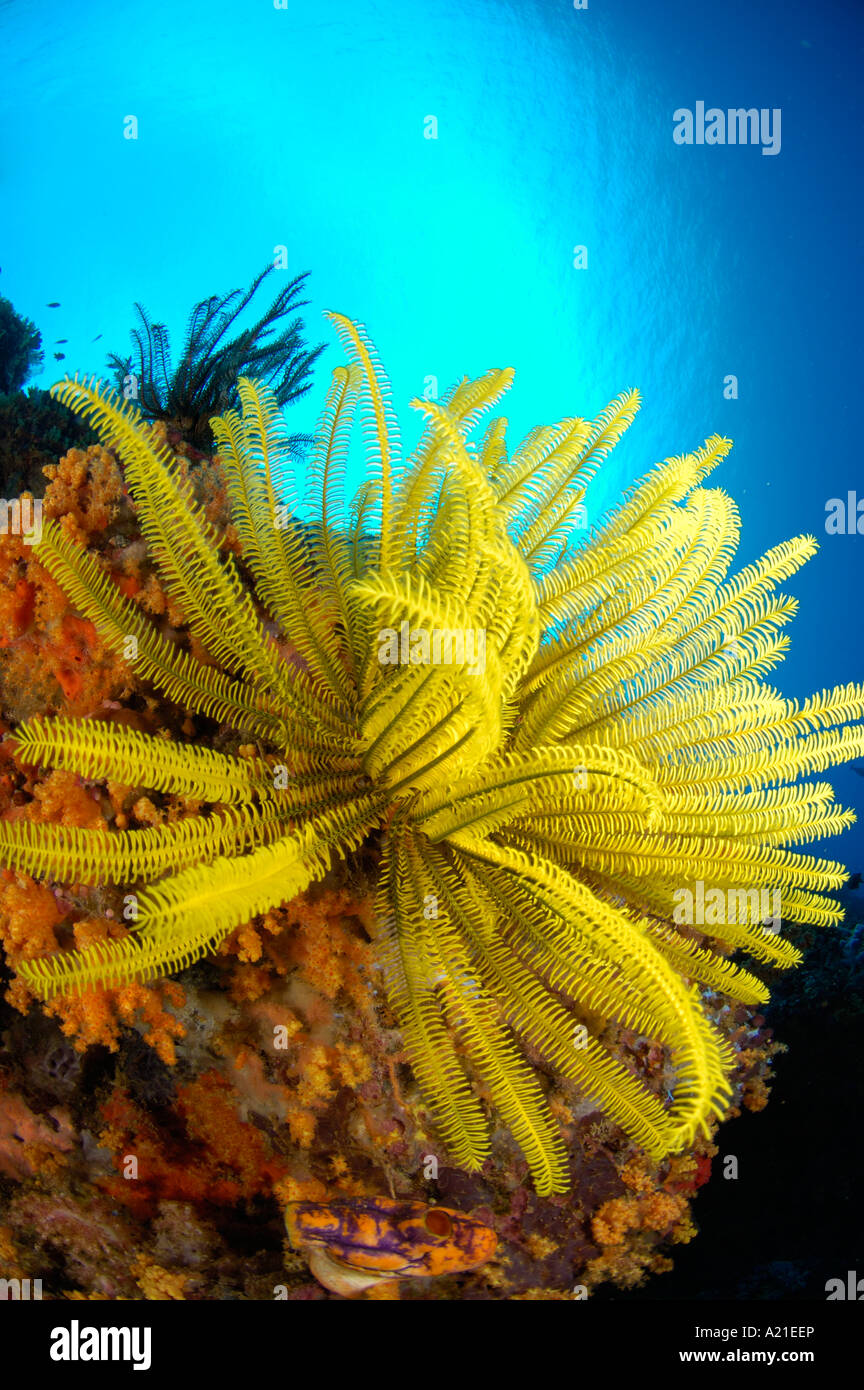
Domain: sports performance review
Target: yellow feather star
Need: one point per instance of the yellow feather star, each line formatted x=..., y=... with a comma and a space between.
x=579, y=733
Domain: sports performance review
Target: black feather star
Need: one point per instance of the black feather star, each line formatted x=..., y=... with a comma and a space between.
x=204, y=383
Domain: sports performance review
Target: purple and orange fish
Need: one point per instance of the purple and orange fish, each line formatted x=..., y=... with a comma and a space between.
x=360, y=1241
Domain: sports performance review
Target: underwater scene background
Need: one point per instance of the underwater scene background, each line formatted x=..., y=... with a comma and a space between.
x=481, y=185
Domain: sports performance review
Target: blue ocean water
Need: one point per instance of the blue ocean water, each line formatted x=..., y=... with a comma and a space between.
x=306, y=126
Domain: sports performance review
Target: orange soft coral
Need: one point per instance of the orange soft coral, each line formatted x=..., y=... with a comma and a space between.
x=318, y=934
x=52, y=660
x=156, y=1283
x=220, y=1158
x=60, y=799
x=211, y=1117
x=29, y=918
x=29, y=914
x=96, y=1015
x=85, y=489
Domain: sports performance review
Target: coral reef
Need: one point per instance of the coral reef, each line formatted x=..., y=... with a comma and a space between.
x=21, y=353
x=834, y=978
x=534, y=811
x=130, y=1178
x=35, y=431
x=158, y=1136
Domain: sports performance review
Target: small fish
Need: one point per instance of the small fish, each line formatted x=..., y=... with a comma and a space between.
x=61, y=340
x=96, y=339
x=59, y=357
x=55, y=304
x=357, y=1242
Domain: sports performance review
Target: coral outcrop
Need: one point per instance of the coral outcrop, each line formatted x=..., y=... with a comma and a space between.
x=156, y=1135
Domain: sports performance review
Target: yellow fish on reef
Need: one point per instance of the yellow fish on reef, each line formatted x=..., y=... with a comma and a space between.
x=360, y=1241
